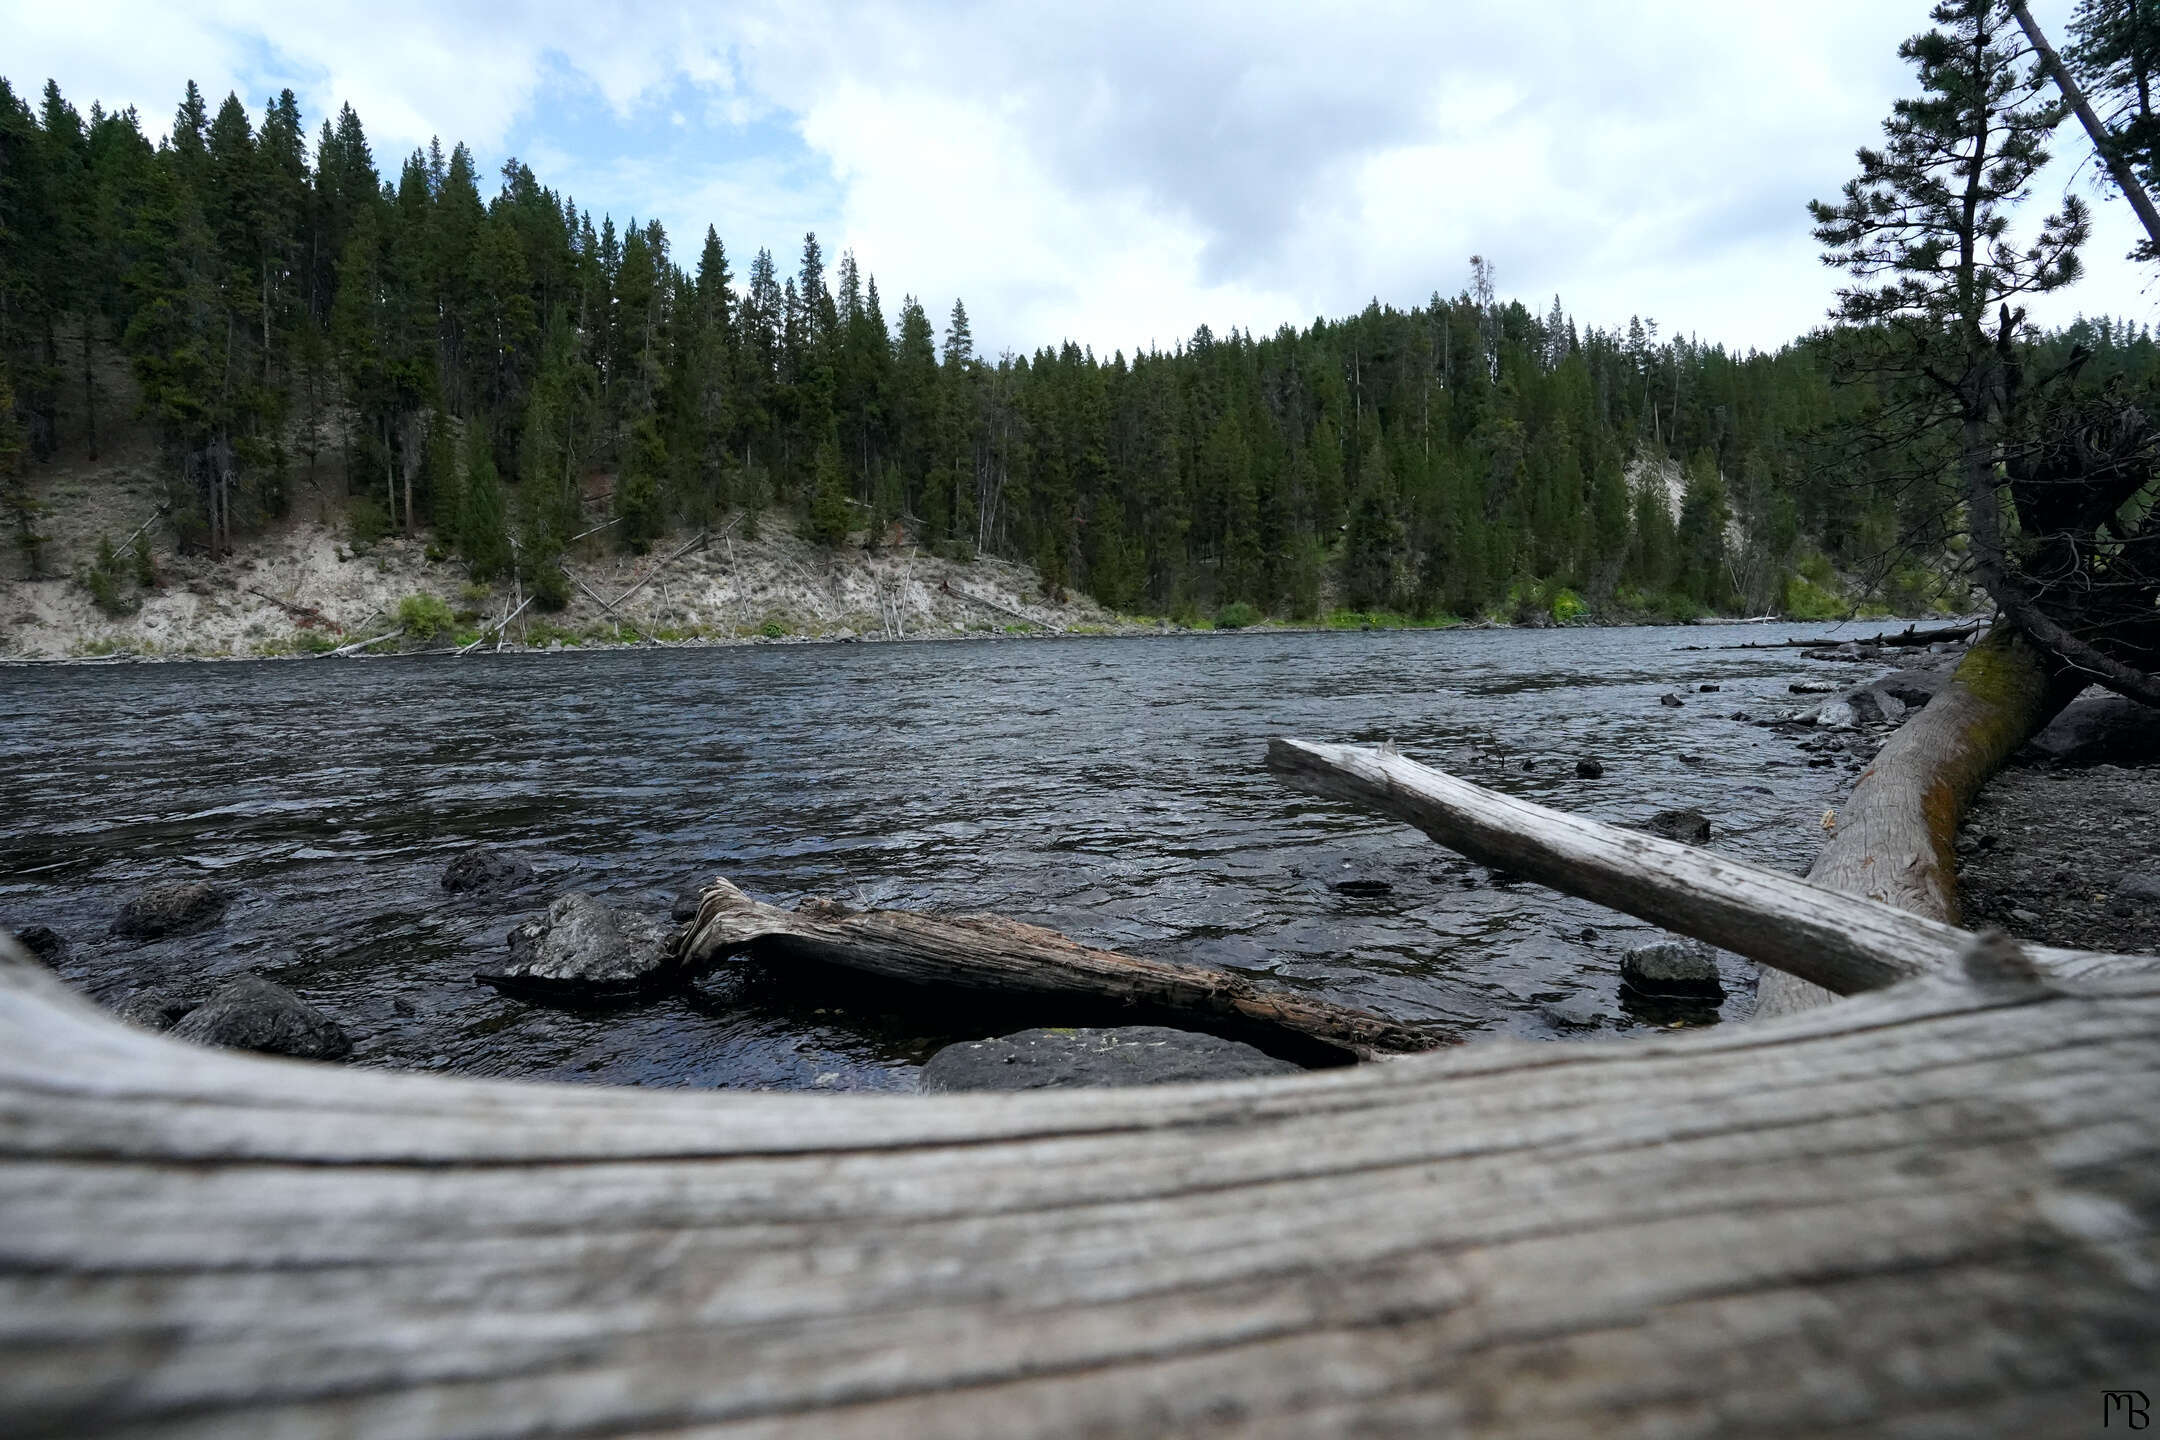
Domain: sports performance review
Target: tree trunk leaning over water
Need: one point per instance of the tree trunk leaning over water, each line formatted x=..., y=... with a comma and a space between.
x=992, y=956
x=1895, y=837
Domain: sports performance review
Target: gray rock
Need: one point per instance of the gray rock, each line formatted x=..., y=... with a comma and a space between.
x=1689, y=827
x=2107, y=730
x=1911, y=688
x=1066, y=1059
x=2144, y=888
x=250, y=1013
x=1577, y=1012
x=1677, y=968
x=1873, y=707
x=46, y=945
x=584, y=947
x=482, y=868
x=1836, y=715
x=153, y=1009
x=1671, y=701
x=1587, y=769
x=182, y=907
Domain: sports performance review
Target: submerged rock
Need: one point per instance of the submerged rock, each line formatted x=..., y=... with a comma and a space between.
x=1588, y=769
x=153, y=1009
x=251, y=1013
x=1361, y=889
x=1089, y=1058
x=46, y=945
x=483, y=868
x=582, y=947
x=182, y=907
x=1676, y=969
x=1689, y=827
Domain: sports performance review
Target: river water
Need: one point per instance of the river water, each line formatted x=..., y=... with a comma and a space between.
x=1111, y=788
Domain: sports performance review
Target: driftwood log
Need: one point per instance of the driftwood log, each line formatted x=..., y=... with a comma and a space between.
x=994, y=956
x=1895, y=836
x=1923, y=1211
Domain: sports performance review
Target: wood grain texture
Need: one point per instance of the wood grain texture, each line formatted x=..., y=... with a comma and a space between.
x=994, y=955
x=1925, y=1211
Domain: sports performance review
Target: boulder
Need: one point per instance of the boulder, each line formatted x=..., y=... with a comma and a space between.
x=2105, y=730
x=182, y=907
x=1911, y=688
x=250, y=1013
x=1587, y=769
x=483, y=868
x=1671, y=701
x=1070, y=1059
x=153, y=1009
x=1689, y=827
x=1873, y=707
x=1837, y=715
x=46, y=945
x=1674, y=969
x=582, y=947
x=1577, y=1012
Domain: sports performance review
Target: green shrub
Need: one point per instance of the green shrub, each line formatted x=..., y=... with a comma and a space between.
x=1805, y=600
x=424, y=616
x=367, y=521
x=103, y=581
x=772, y=629
x=313, y=642
x=1237, y=616
x=1567, y=606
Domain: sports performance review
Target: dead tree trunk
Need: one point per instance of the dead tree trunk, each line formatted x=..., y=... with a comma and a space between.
x=989, y=954
x=1894, y=838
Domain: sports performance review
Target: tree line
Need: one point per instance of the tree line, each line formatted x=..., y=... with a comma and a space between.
x=497, y=367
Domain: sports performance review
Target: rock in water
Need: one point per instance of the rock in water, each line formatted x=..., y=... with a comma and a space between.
x=1911, y=688
x=44, y=943
x=1811, y=687
x=1670, y=701
x=153, y=1009
x=250, y=1013
x=1836, y=715
x=1068, y=1059
x=182, y=907
x=1587, y=769
x=482, y=868
x=582, y=947
x=1678, y=969
x=1689, y=827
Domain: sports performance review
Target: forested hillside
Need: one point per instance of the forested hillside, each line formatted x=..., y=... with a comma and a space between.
x=488, y=361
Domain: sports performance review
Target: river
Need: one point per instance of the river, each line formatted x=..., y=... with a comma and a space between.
x=1111, y=788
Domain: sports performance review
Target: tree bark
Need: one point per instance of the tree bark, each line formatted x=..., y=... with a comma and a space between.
x=2103, y=143
x=1895, y=837
x=989, y=954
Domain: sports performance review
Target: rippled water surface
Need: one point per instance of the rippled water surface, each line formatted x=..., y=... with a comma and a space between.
x=1112, y=788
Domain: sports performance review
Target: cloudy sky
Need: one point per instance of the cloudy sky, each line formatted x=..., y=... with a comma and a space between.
x=1119, y=172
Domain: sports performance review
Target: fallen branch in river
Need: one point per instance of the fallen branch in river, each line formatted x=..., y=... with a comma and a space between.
x=1838, y=941
x=358, y=645
x=993, y=955
x=1908, y=638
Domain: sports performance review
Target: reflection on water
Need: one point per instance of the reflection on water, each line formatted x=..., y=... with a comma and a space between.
x=1111, y=788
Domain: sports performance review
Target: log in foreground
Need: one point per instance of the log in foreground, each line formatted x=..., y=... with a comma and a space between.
x=1920, y=1211
x=1896, y=833
x=992, y=955
x=1837, y=941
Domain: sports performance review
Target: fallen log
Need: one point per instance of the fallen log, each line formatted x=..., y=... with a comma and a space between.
x=1837, y=941
x=1895, y=836
x=1922, y=1211
x=498, y=628
x=307, y=615
x=358, y=645
x=1904, y=639
x=990, y=954
x=962, y=592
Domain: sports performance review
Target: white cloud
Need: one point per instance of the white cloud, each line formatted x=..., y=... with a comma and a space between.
x=1121, y=172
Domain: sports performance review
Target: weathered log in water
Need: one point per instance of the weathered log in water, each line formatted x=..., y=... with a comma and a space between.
x=1925, y=1211
x=989, y=954
x=1908, y=638
x=1894, y=839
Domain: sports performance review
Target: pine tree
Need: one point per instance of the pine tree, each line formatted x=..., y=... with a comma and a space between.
x=829, y=518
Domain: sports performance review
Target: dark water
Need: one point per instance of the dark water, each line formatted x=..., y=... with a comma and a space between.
x=1112, y=788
